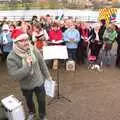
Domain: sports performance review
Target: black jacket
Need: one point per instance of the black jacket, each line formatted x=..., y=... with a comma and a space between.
x=101, y=32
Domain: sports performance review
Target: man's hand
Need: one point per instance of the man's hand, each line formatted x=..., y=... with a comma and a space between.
x=49, y=78
x=29, y=60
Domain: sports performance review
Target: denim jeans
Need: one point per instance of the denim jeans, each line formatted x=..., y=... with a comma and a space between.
x=40, y=94
x=72, y=53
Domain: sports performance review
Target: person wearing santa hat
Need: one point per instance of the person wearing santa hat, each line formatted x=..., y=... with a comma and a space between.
x=25, y=64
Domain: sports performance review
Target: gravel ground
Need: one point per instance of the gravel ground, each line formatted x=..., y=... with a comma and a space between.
x=94, y=95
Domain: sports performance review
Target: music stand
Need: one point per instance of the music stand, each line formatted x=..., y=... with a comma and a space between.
x=56, y=52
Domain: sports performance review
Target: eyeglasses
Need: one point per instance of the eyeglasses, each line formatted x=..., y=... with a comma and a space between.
x=24, y=40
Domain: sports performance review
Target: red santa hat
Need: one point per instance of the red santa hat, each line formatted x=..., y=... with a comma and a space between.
x=18, y=34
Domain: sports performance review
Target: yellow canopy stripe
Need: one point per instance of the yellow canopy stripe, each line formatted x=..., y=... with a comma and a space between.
x=106, y=13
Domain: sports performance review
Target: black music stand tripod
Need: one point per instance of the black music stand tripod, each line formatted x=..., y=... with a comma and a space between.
x=52, y=52
x=58, y=95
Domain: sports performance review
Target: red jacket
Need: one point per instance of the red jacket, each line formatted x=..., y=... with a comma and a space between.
x=55, y=35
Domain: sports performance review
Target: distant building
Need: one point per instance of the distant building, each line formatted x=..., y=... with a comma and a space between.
x=35, y=0
x=8, y=1
x=107, y=1
x=115, y=1
x=80, y=3
x=4, y=1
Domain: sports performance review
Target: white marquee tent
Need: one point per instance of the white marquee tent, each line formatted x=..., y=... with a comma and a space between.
x=83, y=15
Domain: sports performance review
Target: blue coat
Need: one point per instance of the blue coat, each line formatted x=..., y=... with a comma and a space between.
x=6, y=46
x=75, y=35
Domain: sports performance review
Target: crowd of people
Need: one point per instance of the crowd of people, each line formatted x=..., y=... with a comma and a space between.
x=21, y=42
x=82, y=39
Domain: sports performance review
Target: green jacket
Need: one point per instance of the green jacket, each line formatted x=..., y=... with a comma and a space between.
x=22, y=73
x=110, y=35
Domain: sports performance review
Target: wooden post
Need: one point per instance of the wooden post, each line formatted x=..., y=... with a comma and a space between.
x=55, y=64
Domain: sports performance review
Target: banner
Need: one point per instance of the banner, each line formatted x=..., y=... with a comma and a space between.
x=108, y=14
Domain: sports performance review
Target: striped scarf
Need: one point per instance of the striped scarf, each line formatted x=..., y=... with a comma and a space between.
x=24, y=53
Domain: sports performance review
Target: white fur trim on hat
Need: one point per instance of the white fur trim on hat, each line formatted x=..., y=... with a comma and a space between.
x=5, y=27
x=20, y=37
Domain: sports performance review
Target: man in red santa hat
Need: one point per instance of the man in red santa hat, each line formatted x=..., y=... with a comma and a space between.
x=26, y=65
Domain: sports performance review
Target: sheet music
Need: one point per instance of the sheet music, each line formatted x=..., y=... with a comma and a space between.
x=55, y=52
x=50, y=87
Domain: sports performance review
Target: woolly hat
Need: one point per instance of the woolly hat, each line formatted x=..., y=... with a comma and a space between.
x=18, y=34
x=5, y=27
x=103, y=21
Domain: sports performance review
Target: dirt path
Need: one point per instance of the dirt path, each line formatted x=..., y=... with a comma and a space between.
x=94, y=95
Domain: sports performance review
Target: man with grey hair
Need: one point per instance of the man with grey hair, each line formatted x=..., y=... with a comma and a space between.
x=71, y=37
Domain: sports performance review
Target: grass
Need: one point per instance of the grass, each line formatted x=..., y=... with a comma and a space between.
x=2, y=114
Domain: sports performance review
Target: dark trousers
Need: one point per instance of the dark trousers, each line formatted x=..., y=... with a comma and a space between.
x=118, y=57
x=72, y=54
x=95, y=48
x=82, y=51
x=4, y=56
x=40, y=94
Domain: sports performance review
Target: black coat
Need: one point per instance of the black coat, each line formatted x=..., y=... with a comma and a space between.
x=118, y=37
x=101, y=32
x=92, y=35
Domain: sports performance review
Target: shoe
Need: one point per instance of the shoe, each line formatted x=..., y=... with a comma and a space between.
x=30, y=116
x=45, y=118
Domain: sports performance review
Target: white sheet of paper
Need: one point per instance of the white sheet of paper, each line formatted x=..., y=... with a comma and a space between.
x=50, y=87
x=10, y=102
x=55, y=52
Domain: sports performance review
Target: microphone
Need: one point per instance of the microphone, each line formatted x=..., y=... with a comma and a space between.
x=29, y=56
x=28, y=52
x=29, y=60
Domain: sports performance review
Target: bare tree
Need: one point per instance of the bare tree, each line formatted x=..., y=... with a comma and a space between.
x=116, y=4
x=12, y=3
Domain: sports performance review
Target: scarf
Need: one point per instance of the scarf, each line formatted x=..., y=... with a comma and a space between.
x=24, y=53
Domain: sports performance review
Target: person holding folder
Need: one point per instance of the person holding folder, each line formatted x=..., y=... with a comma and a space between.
x=26, y=64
